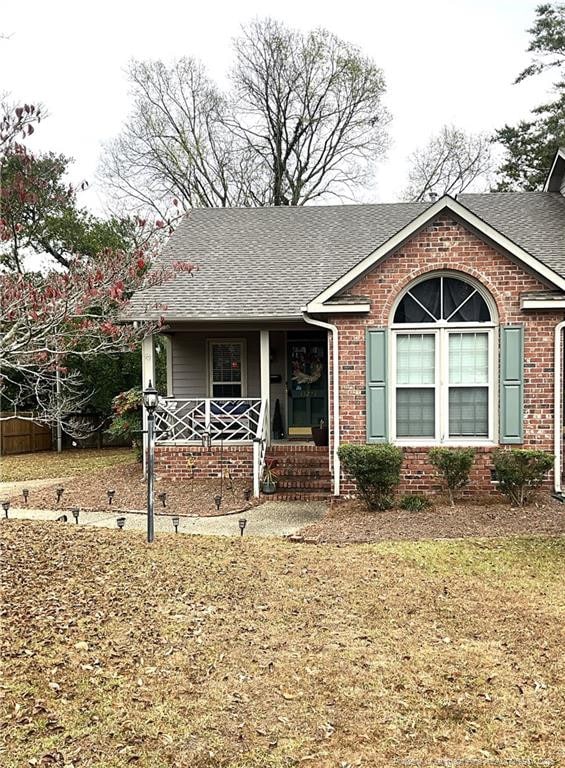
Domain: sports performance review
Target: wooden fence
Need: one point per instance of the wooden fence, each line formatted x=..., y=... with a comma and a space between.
x=20, y=435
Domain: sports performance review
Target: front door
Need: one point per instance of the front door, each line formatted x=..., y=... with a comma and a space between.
x=307, y=383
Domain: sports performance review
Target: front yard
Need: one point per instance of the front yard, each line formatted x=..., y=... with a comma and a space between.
x=46, y=464
x=254, y=654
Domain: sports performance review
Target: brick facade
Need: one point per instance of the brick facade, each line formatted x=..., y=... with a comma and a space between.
x=446, y=244
x=179, y=462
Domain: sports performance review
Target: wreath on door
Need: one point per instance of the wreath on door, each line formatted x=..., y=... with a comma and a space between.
x=301, y=377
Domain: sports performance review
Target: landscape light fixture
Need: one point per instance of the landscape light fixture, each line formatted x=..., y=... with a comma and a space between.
x=150, y=398
x=59, y=491
x=247, y=494
x=242, y=524
x=62, y=519
x=121, y=521
x=218, y=501
x=75, y=512
x=6, y=507
x=162, y=498
x=110, y=493
x=176, y=521
x=25, y=494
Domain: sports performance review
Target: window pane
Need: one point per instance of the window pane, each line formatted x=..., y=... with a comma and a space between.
x=468, y=412
x=428, y=293
x=455, y=292
x=226, y=390
x=468, y=358
x=415, y=412
x=415, y=358
x=226, y=362
x=473, y=311
x=428, y=296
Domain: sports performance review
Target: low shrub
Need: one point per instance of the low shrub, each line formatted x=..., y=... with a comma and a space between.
x=376, y=470
x=520, y=471
x=454, y=466
x=414, y=502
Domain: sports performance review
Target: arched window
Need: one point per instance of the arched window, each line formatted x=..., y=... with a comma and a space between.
x=442, y=359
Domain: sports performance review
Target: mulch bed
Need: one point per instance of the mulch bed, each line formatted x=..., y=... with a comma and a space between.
x=184, y=497
x=350, y=522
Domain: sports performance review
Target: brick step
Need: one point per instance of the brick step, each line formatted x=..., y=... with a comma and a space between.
x=289, y=448
x=299, y=462
x=292, y=485
x=297, y=496
x=298, y=470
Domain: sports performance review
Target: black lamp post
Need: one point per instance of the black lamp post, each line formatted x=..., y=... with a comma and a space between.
x=120, y=522
x=176, y=522
x=75, y=513
x=25, y=494
x=218, y=501
x=6, y=507
x=59, y=491
x=110, y=493
x=162, y=498
x=242, y=524
x=150, y=401
x=247, y=494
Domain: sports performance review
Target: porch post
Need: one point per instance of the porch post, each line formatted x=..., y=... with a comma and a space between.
x=265, y=376
x=147, y=375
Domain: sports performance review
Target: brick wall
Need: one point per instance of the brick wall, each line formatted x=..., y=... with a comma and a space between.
x=447, y=245
x=174, y=462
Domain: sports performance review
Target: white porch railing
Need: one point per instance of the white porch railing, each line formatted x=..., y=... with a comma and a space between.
x=260, y=446
x=206, y=420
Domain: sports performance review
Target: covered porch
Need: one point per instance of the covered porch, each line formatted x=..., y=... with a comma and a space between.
x=233, y=391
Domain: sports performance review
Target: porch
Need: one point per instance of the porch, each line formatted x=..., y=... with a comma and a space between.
x=231, y=393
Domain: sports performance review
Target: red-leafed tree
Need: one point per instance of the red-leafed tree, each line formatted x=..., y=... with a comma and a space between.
x=44, y=318
x=73, y=311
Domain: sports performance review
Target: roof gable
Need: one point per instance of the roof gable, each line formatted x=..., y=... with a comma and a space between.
x=445, y=203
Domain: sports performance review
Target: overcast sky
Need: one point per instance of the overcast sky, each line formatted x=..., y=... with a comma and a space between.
x=444, y=62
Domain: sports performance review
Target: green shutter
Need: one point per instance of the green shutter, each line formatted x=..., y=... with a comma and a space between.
x=511, y=384
x=376, y=393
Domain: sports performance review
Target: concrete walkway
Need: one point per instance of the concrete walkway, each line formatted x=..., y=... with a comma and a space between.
x=273, y=518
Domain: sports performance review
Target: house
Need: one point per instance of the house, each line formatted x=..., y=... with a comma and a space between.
x=422, y=324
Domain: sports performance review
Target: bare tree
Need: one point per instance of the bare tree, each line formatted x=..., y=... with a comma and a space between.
x=452, y=162
x=175, y=144
x=309, y=107
x=303, y=119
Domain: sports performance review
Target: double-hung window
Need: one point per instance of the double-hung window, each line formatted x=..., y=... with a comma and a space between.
x=227, y=368
x=443, y=364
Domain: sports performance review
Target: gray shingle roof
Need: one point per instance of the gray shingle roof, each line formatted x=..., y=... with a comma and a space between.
x=269, y=262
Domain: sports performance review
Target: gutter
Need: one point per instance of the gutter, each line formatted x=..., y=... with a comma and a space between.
x=557, y=403
x=335, y=387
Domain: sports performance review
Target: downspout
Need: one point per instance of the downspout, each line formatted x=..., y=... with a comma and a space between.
x=557, y=402
x=335, y=387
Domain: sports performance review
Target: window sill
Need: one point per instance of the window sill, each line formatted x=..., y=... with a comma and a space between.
x=406, y=443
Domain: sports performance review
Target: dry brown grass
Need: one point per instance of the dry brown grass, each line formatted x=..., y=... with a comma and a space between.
x=46, y=464
x=253, y=654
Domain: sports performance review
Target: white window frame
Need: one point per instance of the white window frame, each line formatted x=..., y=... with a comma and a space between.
x=442, y=384
x=243, y=356
x=441, y=330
